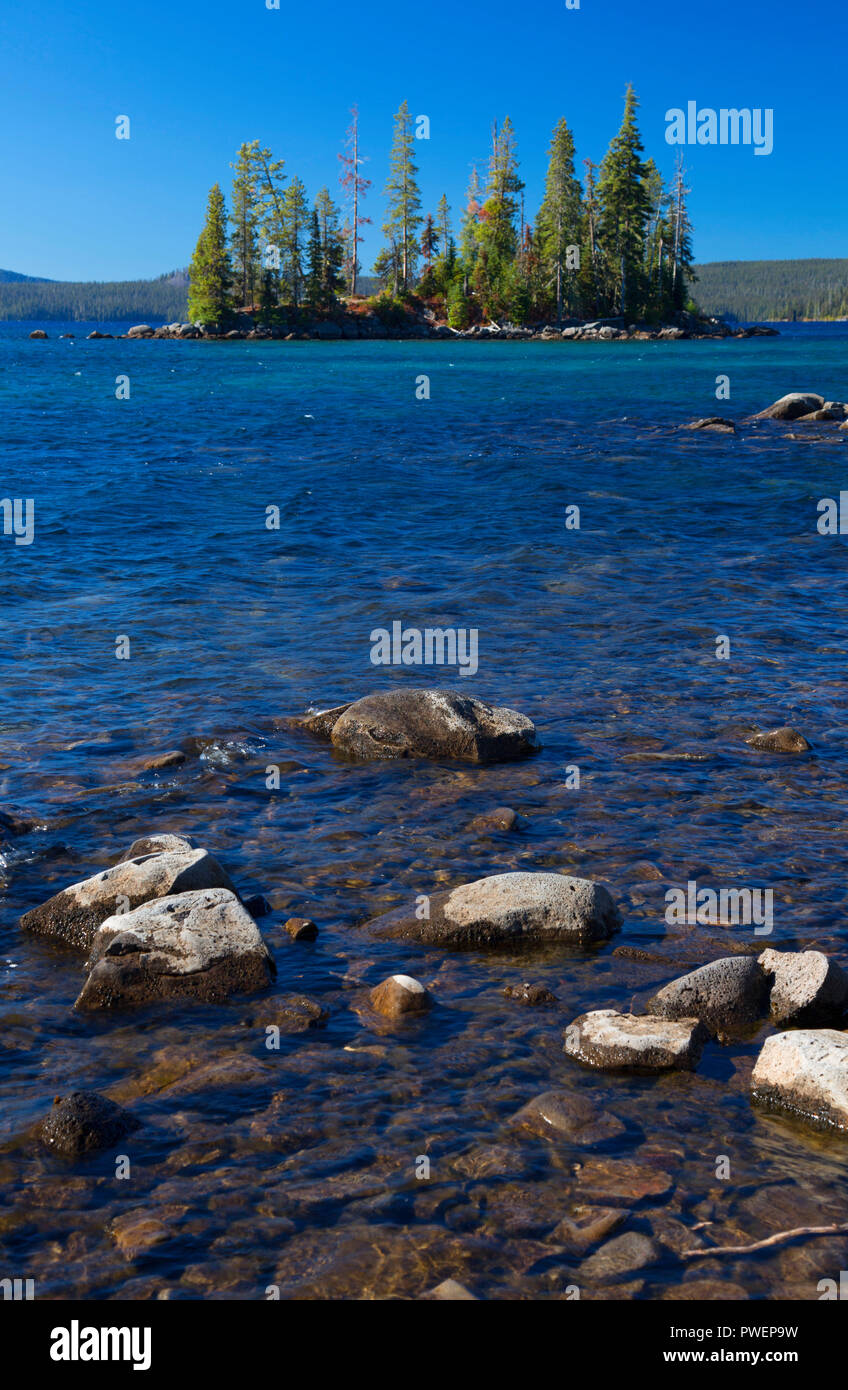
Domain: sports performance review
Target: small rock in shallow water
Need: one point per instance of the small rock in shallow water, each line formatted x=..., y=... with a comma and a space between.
x=400, y=994
x=808, y=989
x=619, y=1258
x=199, y=945
x=614, y=1041
x=84, y=1122
x=566, y=1115
x=501, y=818
x=511, y=908
x=291, y=1013
x=257, y=905
x=713, y=423
x=792, y=406
x=174, y=757
x=530, y=994
x=137, y=1232
x=805, y=1073
x=585, y=1226
x=301, y=928
x=433, y=724
x=620, y=1182
x=451, y=1290
x=782, y=740
x=73, y=915
x=728, y=995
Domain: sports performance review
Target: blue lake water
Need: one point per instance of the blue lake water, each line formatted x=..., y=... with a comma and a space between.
x=150, y=524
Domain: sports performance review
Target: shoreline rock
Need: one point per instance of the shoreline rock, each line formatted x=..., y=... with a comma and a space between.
x=805, y=1073
x=808, y=989
x=729, y=996
x=612, y=1041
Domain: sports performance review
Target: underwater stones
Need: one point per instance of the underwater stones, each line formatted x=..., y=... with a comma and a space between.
x=791, y=406
x=501, y=818
x=430, y=724
x=619, y=1258
x=196, y=945
x=321, y=722
x=73, y=915
x=399, y=995
x=805, y=1073
x=560, y=1114
x=782, y=740
x=511, y=908
x=728, y=995
x=613, y=1041
x=619, y=1182
x=585, y=1226
x=301, y=928
x=450, y=1290
x=84, y=1122
x=808, y=989
x=530, y=994
x=291, y=1013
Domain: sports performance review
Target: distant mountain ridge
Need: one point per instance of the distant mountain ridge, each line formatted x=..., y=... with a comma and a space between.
x=750, y=290
x=28, y=297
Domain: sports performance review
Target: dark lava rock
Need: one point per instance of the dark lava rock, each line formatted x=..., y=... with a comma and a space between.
x=783, y=740
x=83, y=1122
x=432, y=724
x=301, y=928
x=512, y=909
x=728, y=995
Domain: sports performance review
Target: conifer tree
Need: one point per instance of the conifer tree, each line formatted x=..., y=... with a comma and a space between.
x=332, y=246
x=294, y=236
x=558, y=221
x=404, y=198
x=681, y=252
x=314, y=286
x=210, y=273
x=244, y=220
x=443, y=223
x=270, y=181
x=355, y=186
x=624, y=211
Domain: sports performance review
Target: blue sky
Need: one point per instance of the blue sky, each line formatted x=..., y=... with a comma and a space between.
x=196, y=79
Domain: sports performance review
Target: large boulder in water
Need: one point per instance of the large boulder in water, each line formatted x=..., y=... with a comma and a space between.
x=807, y=989
x=508, y=909
x=73, y=915
x=805, y=1073
x=613, y=1041
x=728, y=995
x=792, y=406
x=432, y=724
x=201, y=945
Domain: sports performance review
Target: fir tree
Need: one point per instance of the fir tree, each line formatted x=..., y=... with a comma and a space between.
x=332, y=246
x=244, y=220
x=294, y=236
x=404, y=198
x=624, y=211
x=558, y=220
x=210, y=273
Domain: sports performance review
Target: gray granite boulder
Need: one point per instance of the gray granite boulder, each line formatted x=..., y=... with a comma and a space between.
x=612, y=1041
x=782, y=740
x=512, y=909
x=805, y=1073
x=194, y=945
x=807, y=989
x=73, y=915
x=430, y=724
x=728, y=996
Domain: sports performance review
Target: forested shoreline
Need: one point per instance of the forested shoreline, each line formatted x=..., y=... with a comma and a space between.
x=616, y=243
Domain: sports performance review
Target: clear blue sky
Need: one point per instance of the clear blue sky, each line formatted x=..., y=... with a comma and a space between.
x=198, y=78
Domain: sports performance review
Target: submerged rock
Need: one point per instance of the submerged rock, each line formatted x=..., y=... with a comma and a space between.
x=808, y=989
x=530, y=994
x=196, y=945
x=13, y=824
x=782, y=740
x=432, y=724
x=451, y=1291
x=805, y=1073
x=83, y=1122
x=38, y=333
x=509, y=908
x=619, y=1259
x=792, y=406
x=400, y=994
x=585, y=1226
x=501, y=818
x=74, y=914
x=728, y=995
x=321, y=722
x=614, y=1041
x=561, y=1114
x=713, y=423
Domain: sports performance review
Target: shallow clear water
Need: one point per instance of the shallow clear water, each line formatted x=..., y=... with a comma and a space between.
x=298, y=1168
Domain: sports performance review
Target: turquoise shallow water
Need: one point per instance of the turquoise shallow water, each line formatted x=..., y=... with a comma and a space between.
x=295, y=1168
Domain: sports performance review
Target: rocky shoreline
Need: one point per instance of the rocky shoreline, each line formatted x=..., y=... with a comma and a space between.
x=369, y=324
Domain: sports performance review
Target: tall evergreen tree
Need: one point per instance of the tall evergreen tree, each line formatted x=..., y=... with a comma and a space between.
x=245, y=220
x=443, y=223
x=314, y=287
x=271, y=179
x=404, y=198
x=681, y=253
x=558, y=220
x=624, y=210
x=332, y=246
x=210, y=273
x=294, y=237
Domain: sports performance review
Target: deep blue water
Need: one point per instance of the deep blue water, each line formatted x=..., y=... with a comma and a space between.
x=150, y=523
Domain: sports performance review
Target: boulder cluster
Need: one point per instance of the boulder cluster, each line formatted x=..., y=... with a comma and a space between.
x=797, y=407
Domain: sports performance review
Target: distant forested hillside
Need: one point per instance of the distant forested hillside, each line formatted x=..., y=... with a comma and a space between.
x=750, y=290
x=122, y=300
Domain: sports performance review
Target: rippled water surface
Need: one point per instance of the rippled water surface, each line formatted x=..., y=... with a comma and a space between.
x=298, y=1168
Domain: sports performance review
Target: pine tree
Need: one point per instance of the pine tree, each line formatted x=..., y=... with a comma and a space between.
x=589, y=278
x=244, y=220
x=332, y=246
x=681, y=252
x=558, y=221
x=429, y=242
x=294, y=235
x=443, y=223
x=355, y=186
x=470, y=230
x=499, y=241
x=270, y=181
x=210, y=273
x=404, y=198
x=314, y=286
x=624, y=211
